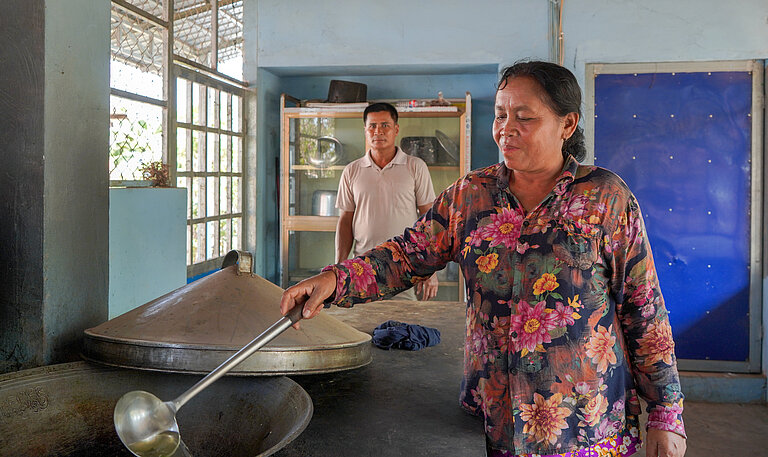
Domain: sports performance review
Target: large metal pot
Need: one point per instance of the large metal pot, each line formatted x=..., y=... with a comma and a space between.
x=66, y=410
x=196, y=327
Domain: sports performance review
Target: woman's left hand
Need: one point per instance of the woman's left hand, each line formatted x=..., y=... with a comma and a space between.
x=427, y=289
x=661, y=443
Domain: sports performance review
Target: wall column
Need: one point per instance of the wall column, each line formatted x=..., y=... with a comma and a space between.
x=54, y=210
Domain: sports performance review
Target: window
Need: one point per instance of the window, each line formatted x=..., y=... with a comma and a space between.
x=137, y=103
x=209, y=158
x=173, y=102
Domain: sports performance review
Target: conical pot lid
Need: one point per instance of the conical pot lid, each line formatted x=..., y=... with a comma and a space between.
x=197, y=327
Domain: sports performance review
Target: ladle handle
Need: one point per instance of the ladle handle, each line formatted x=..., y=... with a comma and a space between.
x=266, y=336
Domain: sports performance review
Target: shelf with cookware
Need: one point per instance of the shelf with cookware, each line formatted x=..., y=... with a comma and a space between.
x=317, y=142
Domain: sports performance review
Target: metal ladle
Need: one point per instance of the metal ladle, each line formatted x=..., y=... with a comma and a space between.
x=147, y=426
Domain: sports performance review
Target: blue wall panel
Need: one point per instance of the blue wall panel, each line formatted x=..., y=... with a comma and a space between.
x=682, y=143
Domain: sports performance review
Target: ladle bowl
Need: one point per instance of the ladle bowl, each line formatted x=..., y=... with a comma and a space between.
x=147, y=426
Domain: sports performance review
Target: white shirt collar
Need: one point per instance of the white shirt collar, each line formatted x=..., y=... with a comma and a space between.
x=398, y=159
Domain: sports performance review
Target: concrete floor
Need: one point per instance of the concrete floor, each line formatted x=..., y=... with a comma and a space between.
x=725, y=429
x=405, y=403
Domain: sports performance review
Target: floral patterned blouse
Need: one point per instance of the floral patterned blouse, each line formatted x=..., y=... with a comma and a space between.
x=566, y=323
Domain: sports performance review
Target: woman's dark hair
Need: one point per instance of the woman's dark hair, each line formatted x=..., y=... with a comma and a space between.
x=378, y=107
x=563, y=95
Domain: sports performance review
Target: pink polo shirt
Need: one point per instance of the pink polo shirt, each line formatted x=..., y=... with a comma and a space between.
x=384, y=200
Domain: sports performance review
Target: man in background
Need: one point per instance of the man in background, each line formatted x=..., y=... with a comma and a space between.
x=382, y=193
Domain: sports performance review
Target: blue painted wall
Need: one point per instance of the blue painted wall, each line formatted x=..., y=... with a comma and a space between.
x=397, y=54
x=663, y=31
x=351, y=33
x=147, y=245
x=54, y=100
x=297, y=46
x=380, y=86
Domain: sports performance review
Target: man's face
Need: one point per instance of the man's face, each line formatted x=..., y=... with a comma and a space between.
x=381, y=131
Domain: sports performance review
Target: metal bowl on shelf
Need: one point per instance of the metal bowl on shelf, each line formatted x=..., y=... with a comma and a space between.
x=449, y=150
x=450, y=273
x=423, y=147
x=324, y=203
x=328, y=152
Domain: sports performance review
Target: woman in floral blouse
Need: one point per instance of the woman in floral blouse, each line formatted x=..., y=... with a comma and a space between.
x=566, y=323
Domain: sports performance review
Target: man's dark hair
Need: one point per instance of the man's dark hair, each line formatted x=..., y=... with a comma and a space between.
x=563, y=95
x=379, y=107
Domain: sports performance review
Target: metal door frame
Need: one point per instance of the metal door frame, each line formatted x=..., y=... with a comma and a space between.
x=758, y=249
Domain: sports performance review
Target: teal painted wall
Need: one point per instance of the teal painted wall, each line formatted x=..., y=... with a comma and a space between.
x=75, y=196
x=266, y=245
x=54, y=102
x=407, y=47
x=147, y=245
x=350, y=33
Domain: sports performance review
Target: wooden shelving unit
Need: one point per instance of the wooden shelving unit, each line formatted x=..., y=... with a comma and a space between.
x=307, y=239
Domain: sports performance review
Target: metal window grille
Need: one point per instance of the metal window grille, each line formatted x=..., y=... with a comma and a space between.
x=196, y=22
x=137, y=103
x=172, y=102
x=210, y=141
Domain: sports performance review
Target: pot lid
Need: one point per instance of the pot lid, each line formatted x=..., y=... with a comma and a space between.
x=195, y=328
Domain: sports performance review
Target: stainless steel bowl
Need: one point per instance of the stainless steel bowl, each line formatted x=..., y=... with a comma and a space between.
x=329, y=150
x=324, y=203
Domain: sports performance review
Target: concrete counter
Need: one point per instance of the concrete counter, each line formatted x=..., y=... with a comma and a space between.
x=404, y=403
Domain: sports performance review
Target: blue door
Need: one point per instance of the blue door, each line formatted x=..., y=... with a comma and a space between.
x=683, y=143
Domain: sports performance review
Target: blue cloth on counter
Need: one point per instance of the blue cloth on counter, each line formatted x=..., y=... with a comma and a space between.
x=399, y=335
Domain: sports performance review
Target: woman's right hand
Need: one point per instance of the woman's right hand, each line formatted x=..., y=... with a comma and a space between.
x=310, y=293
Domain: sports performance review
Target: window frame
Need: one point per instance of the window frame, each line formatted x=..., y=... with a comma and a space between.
x=202, y=127
x=177, y=66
